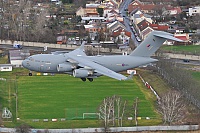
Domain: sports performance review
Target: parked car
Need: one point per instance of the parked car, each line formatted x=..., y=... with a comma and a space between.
x=18, y=46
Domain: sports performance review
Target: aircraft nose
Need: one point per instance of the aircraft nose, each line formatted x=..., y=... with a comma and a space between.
x=24, y=63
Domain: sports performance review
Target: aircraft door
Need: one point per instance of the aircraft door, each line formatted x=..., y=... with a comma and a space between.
x=41, y=68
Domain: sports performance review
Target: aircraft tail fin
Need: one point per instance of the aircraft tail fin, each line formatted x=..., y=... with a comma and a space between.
x=152, y=43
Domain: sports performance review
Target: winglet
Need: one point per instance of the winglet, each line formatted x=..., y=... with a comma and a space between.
x=82, y=45
x=130, y=76
x=79, y=51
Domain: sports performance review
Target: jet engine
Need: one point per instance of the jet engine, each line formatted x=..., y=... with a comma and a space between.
x=64, y=67
x=81, y=73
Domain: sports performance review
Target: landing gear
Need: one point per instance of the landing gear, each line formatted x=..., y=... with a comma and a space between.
x=90, y=79
x=83, y=79
x=30, y=74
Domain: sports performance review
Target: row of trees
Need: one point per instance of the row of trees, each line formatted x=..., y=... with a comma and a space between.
x=180, y=79
x=24, y=23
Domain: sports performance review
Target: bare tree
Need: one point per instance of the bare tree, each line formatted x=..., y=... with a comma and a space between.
x=39, y=29
x=111, y=109
x=172, y=107
x=22, y=22
x=181, y=79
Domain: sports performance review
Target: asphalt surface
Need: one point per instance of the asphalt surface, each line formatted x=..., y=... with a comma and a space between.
x=122, y=9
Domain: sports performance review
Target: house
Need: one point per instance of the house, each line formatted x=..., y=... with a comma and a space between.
x=194, y=10
x=80, y=12
x=184, y=37
x=84, y=19
x=139, y=16
x=110, y=12
x=144, y=28
x=93, y=28
x=111, y=3
x=89, y=11
x=172, y=11
x=115, y=3
x=134, y=5
x=92, y=14
x=115, y=18
x=145, y=8
x=121, y=35
x=159, y=27
x=92, y=6
x=115, y=25
x=113, y=15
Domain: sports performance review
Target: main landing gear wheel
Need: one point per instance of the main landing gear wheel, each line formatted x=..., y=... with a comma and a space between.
x=30, y=74
x=83, y=79
x=90, y=79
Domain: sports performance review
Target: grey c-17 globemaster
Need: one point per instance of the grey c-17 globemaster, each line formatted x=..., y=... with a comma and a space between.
x=78, y=64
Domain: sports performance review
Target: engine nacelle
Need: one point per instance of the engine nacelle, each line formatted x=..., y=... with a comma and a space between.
x=64, y=67
x=80, y=73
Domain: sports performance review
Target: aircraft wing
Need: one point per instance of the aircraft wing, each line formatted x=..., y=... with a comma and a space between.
x=99, y=68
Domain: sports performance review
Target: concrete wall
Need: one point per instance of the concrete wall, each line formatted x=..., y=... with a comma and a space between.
x=113, y=129
x=50, y=45
x=182, y=56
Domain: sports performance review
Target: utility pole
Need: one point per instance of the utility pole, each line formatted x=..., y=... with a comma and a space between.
x=136, y=101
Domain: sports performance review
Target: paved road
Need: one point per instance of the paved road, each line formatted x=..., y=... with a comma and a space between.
x=122, y=8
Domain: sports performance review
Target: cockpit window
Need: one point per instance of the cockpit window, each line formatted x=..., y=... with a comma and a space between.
x=30, y=58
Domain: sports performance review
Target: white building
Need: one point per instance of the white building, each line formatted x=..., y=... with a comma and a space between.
x=17, y=56
x=5, y=67
x=194, y=10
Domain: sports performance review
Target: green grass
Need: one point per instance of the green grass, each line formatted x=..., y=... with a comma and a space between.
x=191, y=49
x=62, y=96
x=4, y=60
x=155, y=81
x=196, y=76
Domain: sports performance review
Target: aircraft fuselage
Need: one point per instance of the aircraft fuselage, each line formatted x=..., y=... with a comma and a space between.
x=48, y=63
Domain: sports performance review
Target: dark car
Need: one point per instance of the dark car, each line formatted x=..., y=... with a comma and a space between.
x=186, y=60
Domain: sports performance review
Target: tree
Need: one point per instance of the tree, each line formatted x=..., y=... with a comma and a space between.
x=132, y=44
x=100, y=11
x=111, y=109
x=181, y=79
x=172, y=107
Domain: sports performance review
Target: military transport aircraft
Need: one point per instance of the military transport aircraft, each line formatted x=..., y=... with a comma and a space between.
x=78, y=64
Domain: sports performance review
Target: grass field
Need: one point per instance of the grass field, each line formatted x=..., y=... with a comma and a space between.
x=62, y=96
x=191, y=49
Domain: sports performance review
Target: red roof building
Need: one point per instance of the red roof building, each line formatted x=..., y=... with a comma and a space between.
x=184, y=37
x=159, y=27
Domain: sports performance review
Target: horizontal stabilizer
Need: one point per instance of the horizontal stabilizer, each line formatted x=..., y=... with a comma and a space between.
x=152, y=43
x=168, y=36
